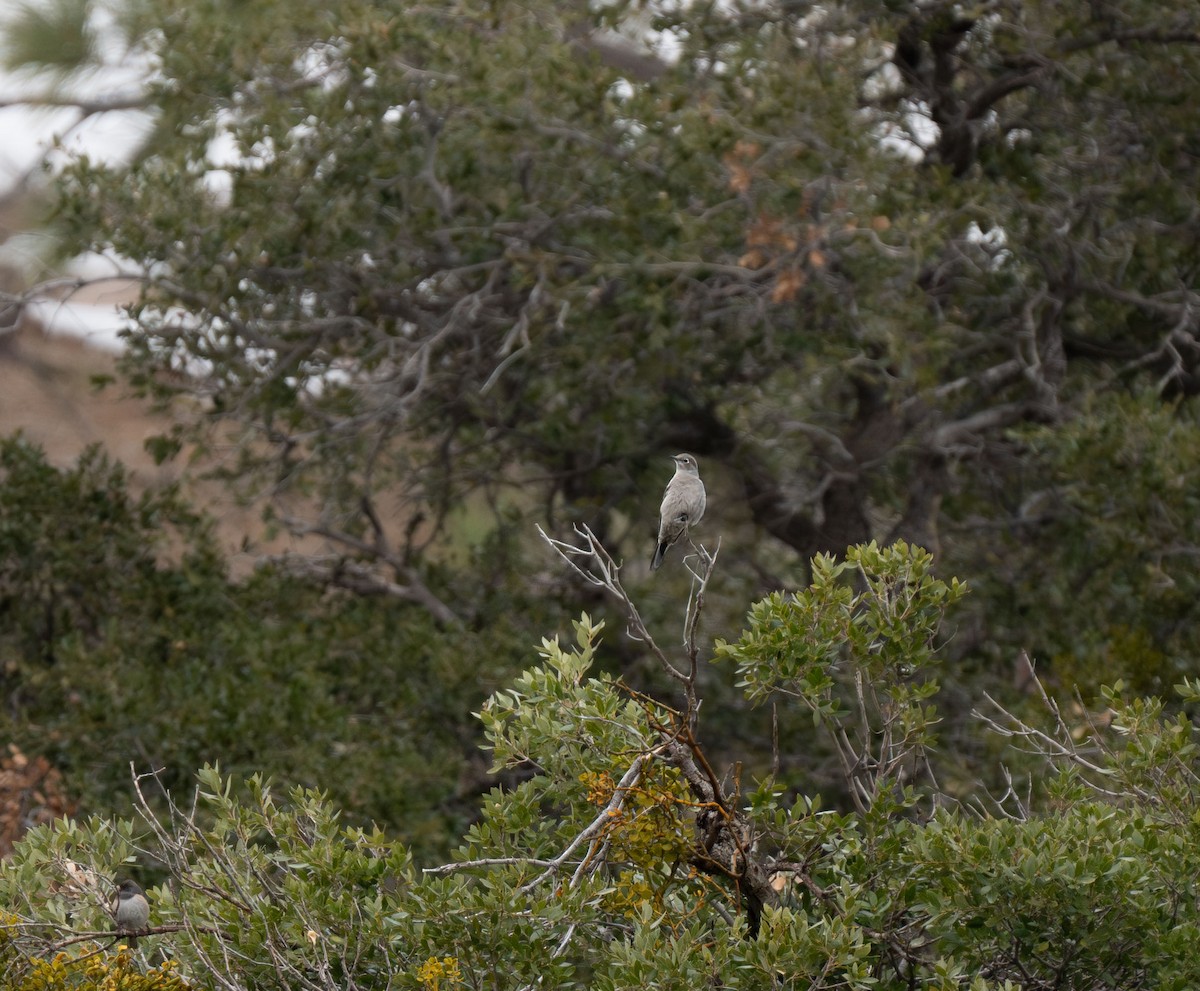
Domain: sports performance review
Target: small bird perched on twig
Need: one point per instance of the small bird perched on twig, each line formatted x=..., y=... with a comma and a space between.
x=133, y=911
x=682, y=506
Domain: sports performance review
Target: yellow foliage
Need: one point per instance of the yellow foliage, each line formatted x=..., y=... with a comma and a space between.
x=95, y=971
x=88, y=967
x=599, y=785
x=651, y=833
x=436, y=974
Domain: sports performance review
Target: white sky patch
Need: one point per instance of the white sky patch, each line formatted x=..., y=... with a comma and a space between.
x=884, y=81
x=58, y=135
x=225, y=156
x=994, y=241
x=912, y=133
x=324, y=62
x=912, y=139
x=317, y=383
x=219, y=185
x=93, y=313
x=95, y=324
x=637, y=28
x=100, y=265
x=112, y=137
x=33, y=135
x=393, y=115
x=26, y=252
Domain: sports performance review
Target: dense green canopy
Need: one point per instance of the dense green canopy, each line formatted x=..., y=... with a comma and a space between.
x=887, y=269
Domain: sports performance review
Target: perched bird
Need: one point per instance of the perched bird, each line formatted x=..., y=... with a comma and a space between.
x=133, y=911
x=682, y=505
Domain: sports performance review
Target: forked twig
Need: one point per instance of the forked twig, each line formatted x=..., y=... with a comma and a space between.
x=595, y=565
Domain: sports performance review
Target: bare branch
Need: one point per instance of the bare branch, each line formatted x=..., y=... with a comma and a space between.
x=595, y=565
x=357, y=576
x=967, y=430
x=1058, y=745
x=55, y=101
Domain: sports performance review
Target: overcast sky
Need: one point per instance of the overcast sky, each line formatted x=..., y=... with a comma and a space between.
x=27, y=135
x=30, y=135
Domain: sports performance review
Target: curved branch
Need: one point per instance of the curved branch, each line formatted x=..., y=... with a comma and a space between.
x=593, y=563
x=355, y=576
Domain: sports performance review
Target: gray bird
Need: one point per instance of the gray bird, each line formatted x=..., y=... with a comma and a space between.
x=682, y=506
x=133, y=911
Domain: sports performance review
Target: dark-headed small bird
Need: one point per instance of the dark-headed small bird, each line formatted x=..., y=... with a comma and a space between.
x=133, y=911
x=682, y=506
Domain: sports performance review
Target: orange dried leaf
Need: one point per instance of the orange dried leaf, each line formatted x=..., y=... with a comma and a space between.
x=739, y=176
x=769, y=232
x=763, y=231
x=787, y=284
